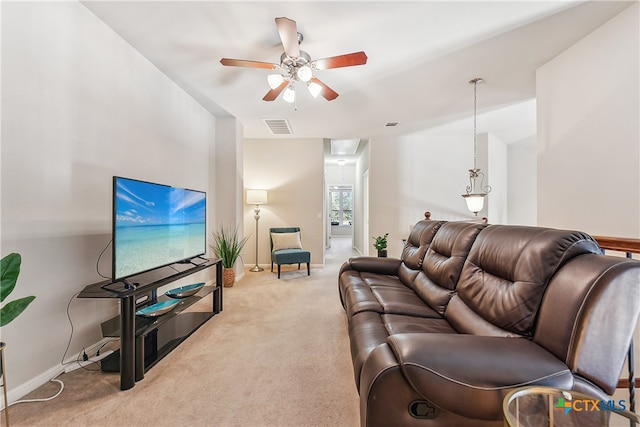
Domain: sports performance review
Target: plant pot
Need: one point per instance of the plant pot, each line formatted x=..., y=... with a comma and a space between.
x=228, y=277
x=382, y=253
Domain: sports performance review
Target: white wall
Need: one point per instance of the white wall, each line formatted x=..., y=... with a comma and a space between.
x=227, y=179
x=496, y=176
x=359, y=198
x=522, y=194
x=78, y=106
x=415, y=173
x=589, y=132
x=340, y=175
x=292, y=171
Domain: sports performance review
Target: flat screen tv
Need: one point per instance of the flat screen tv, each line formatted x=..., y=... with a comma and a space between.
x=155, y=225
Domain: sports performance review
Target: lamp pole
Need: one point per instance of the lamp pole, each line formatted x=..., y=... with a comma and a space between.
x=257, y=218
x=257, y=197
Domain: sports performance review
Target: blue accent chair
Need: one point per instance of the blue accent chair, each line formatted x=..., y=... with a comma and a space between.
x=290, y=255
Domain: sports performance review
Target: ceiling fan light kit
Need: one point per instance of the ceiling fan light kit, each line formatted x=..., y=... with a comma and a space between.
x=296, y=65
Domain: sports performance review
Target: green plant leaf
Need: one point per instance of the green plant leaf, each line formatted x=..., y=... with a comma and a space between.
x=9, y=271
x=227, y=245
x=13, y=309
x=380, y=242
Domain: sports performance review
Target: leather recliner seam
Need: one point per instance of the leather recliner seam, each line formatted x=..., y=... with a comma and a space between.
x=563, y=372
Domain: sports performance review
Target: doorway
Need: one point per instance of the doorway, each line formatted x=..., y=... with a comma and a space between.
x=341, y=210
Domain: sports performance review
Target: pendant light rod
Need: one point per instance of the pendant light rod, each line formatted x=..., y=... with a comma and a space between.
x=475, y=82
x=475, y=193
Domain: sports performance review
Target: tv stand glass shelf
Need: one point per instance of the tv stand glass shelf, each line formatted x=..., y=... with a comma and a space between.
x=144, y=340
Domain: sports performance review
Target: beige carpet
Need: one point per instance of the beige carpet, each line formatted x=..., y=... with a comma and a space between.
x=278, y=355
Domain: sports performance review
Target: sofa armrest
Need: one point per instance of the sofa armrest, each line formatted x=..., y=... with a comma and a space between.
x=388, y=266
x=470, y=375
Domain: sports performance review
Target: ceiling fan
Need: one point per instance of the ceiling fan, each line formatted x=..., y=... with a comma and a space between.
x=296, y=66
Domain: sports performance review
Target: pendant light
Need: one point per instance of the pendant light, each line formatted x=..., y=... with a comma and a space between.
x=475, y=193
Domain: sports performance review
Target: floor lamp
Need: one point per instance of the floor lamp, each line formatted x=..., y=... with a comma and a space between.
x=257, y=197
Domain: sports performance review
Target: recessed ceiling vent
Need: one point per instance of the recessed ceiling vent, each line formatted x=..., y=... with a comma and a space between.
x=391, y=124
x=278, y=126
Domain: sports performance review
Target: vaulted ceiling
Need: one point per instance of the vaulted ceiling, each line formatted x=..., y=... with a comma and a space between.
x=421, y=55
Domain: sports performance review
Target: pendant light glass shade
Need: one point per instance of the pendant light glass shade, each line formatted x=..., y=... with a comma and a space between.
x=304, y=73
x=289, y=94
x=274, y=80
x=314, y=89
x=475, y=202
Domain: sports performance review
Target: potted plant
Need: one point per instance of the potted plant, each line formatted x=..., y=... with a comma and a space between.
x=9, y=271
x=227, y=246
x=380, y=243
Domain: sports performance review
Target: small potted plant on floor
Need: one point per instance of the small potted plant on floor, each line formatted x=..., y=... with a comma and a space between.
x=227, y=246
x=380, y=243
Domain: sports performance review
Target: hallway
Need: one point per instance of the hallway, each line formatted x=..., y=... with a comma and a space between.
x=341, y=249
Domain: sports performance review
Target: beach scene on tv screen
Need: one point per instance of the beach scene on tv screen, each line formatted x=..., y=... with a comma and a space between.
x=156, y=225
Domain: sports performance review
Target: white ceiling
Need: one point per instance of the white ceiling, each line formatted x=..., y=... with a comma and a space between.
x=421, y=55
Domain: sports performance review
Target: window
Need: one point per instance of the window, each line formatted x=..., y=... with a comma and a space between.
x=341, y=206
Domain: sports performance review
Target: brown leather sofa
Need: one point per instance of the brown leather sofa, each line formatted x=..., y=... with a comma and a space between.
x=472, y=311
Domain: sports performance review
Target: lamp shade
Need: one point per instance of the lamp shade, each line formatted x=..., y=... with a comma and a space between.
x=256, y=197
x=304, y=73
x=289, y=94
x=274, y=80
x=314, y=89
x=475, y=202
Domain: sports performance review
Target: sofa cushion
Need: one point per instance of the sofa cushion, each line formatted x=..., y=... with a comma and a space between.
x=368, y=329
x=402, y=301
x=383, y=294
x=418, y=242
x=443, y=263
x=507, y=271
x=445, y=258
x=466, y=321
x=402, y=324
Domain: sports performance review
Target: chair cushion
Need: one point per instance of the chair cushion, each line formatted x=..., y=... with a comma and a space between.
x=290, y=256
x=286, y=241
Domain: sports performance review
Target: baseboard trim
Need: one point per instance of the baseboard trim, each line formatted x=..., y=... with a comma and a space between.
x=17, y=393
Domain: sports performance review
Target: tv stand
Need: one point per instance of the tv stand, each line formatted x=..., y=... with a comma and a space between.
x=145, y=341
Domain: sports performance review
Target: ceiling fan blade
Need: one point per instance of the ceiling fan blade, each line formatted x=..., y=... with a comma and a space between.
x=288, y=31
x=346, y=60
x=273, y=93
x=328, y=93
x=246, y=63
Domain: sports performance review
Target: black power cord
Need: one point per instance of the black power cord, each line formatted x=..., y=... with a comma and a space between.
x=98, y=261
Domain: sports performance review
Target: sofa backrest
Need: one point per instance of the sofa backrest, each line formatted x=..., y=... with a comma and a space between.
x=505, y=276
x=415, y=248
x=588, y=316
x=443, y=263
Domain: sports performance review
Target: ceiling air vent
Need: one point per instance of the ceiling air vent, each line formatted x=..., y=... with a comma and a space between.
x=391, y=124
x=278, y=126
